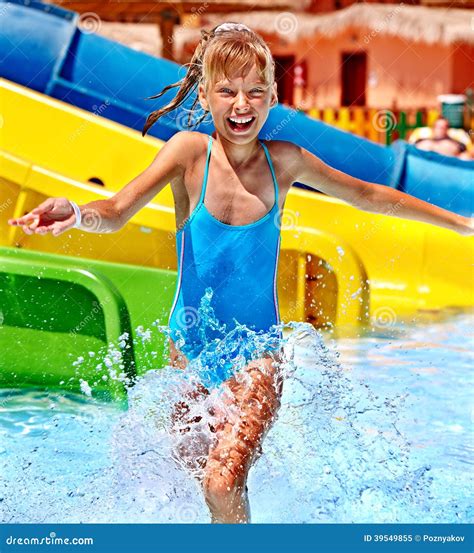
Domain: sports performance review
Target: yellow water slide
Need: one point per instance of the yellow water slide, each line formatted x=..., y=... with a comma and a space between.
x=338, y=266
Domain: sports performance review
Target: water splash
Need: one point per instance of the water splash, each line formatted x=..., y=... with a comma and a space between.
x=218, y=350
x=334, y=454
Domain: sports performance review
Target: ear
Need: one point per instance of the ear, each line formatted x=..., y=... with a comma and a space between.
x=274, y=100
x=202, y=98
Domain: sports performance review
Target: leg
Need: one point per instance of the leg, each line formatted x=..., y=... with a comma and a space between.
x=221, y=465
x=253, y=396
x=190, y=451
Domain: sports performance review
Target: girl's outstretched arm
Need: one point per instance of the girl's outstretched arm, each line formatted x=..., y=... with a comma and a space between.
x=56, y=215
x=308, y=169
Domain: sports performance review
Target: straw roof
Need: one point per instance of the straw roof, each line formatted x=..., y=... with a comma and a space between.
x=416, y=23
x=152, y=11
x=294, y=5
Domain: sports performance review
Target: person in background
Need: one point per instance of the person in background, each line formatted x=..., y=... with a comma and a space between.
x=441, y=143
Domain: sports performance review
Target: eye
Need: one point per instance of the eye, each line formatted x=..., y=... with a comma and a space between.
x=257, y=90
x=225, y=90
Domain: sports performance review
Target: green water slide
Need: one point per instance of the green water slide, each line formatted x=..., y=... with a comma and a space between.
x=80, y=324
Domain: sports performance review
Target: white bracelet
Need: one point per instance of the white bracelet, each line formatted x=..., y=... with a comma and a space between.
x=77, y=213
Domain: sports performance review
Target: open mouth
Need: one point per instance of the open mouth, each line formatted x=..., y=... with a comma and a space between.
x=240, y=124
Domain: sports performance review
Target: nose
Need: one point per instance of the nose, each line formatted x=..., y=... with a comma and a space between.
x=241, y=102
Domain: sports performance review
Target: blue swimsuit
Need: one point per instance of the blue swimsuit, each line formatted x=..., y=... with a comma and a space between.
x=238, y=262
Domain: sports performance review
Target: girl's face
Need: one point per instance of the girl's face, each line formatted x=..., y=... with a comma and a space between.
x=239, y=107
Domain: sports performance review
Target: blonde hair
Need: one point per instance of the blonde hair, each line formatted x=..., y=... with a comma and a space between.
x=226, y=50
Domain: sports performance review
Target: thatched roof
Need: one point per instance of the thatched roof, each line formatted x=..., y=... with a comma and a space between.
x=151, y=11
x=295, y=5
x=431, y=25
x=416, y=23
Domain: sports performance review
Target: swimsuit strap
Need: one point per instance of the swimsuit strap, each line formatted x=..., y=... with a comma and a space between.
x=269, y=159
x=206, y=172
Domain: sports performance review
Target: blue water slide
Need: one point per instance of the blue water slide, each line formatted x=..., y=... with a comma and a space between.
x=43, y=47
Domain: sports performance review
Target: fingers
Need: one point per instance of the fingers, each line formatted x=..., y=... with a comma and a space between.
x=22, y=220
x=33, y=214
x=44, y=206
x=55, y=229
x=28, y=223
x=58, y=227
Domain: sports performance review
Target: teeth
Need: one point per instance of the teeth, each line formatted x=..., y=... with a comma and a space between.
x=246, y=120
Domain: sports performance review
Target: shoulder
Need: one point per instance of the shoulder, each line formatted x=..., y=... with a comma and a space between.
x=282, y=147
x=189, y=143
x=283, y=151
x=286, y=156
x=187, y=146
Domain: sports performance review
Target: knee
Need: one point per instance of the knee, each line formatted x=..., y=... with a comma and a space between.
x=223, y=485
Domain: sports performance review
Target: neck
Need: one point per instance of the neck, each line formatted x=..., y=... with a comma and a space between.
x=237, y=154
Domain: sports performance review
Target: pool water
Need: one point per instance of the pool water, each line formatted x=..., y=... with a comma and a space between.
x=376, y=428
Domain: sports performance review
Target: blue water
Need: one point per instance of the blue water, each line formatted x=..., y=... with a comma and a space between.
x=376, y=428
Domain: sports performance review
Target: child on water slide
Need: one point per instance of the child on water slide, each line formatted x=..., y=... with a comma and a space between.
x=229, y=191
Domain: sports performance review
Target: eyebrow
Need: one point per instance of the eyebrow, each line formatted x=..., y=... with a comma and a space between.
x=227, y=83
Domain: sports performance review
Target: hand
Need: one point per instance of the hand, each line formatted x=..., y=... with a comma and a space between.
x=467, y=227
x=54, y=215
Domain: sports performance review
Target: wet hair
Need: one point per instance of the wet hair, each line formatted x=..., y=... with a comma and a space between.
x=228, y=49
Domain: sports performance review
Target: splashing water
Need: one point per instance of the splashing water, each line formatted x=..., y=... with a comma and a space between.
x=221, y=352
x=336, y=452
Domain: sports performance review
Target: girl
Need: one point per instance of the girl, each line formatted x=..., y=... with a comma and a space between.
x=229, y=191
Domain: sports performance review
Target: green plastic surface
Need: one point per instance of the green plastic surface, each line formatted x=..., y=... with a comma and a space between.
x=55, y=309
